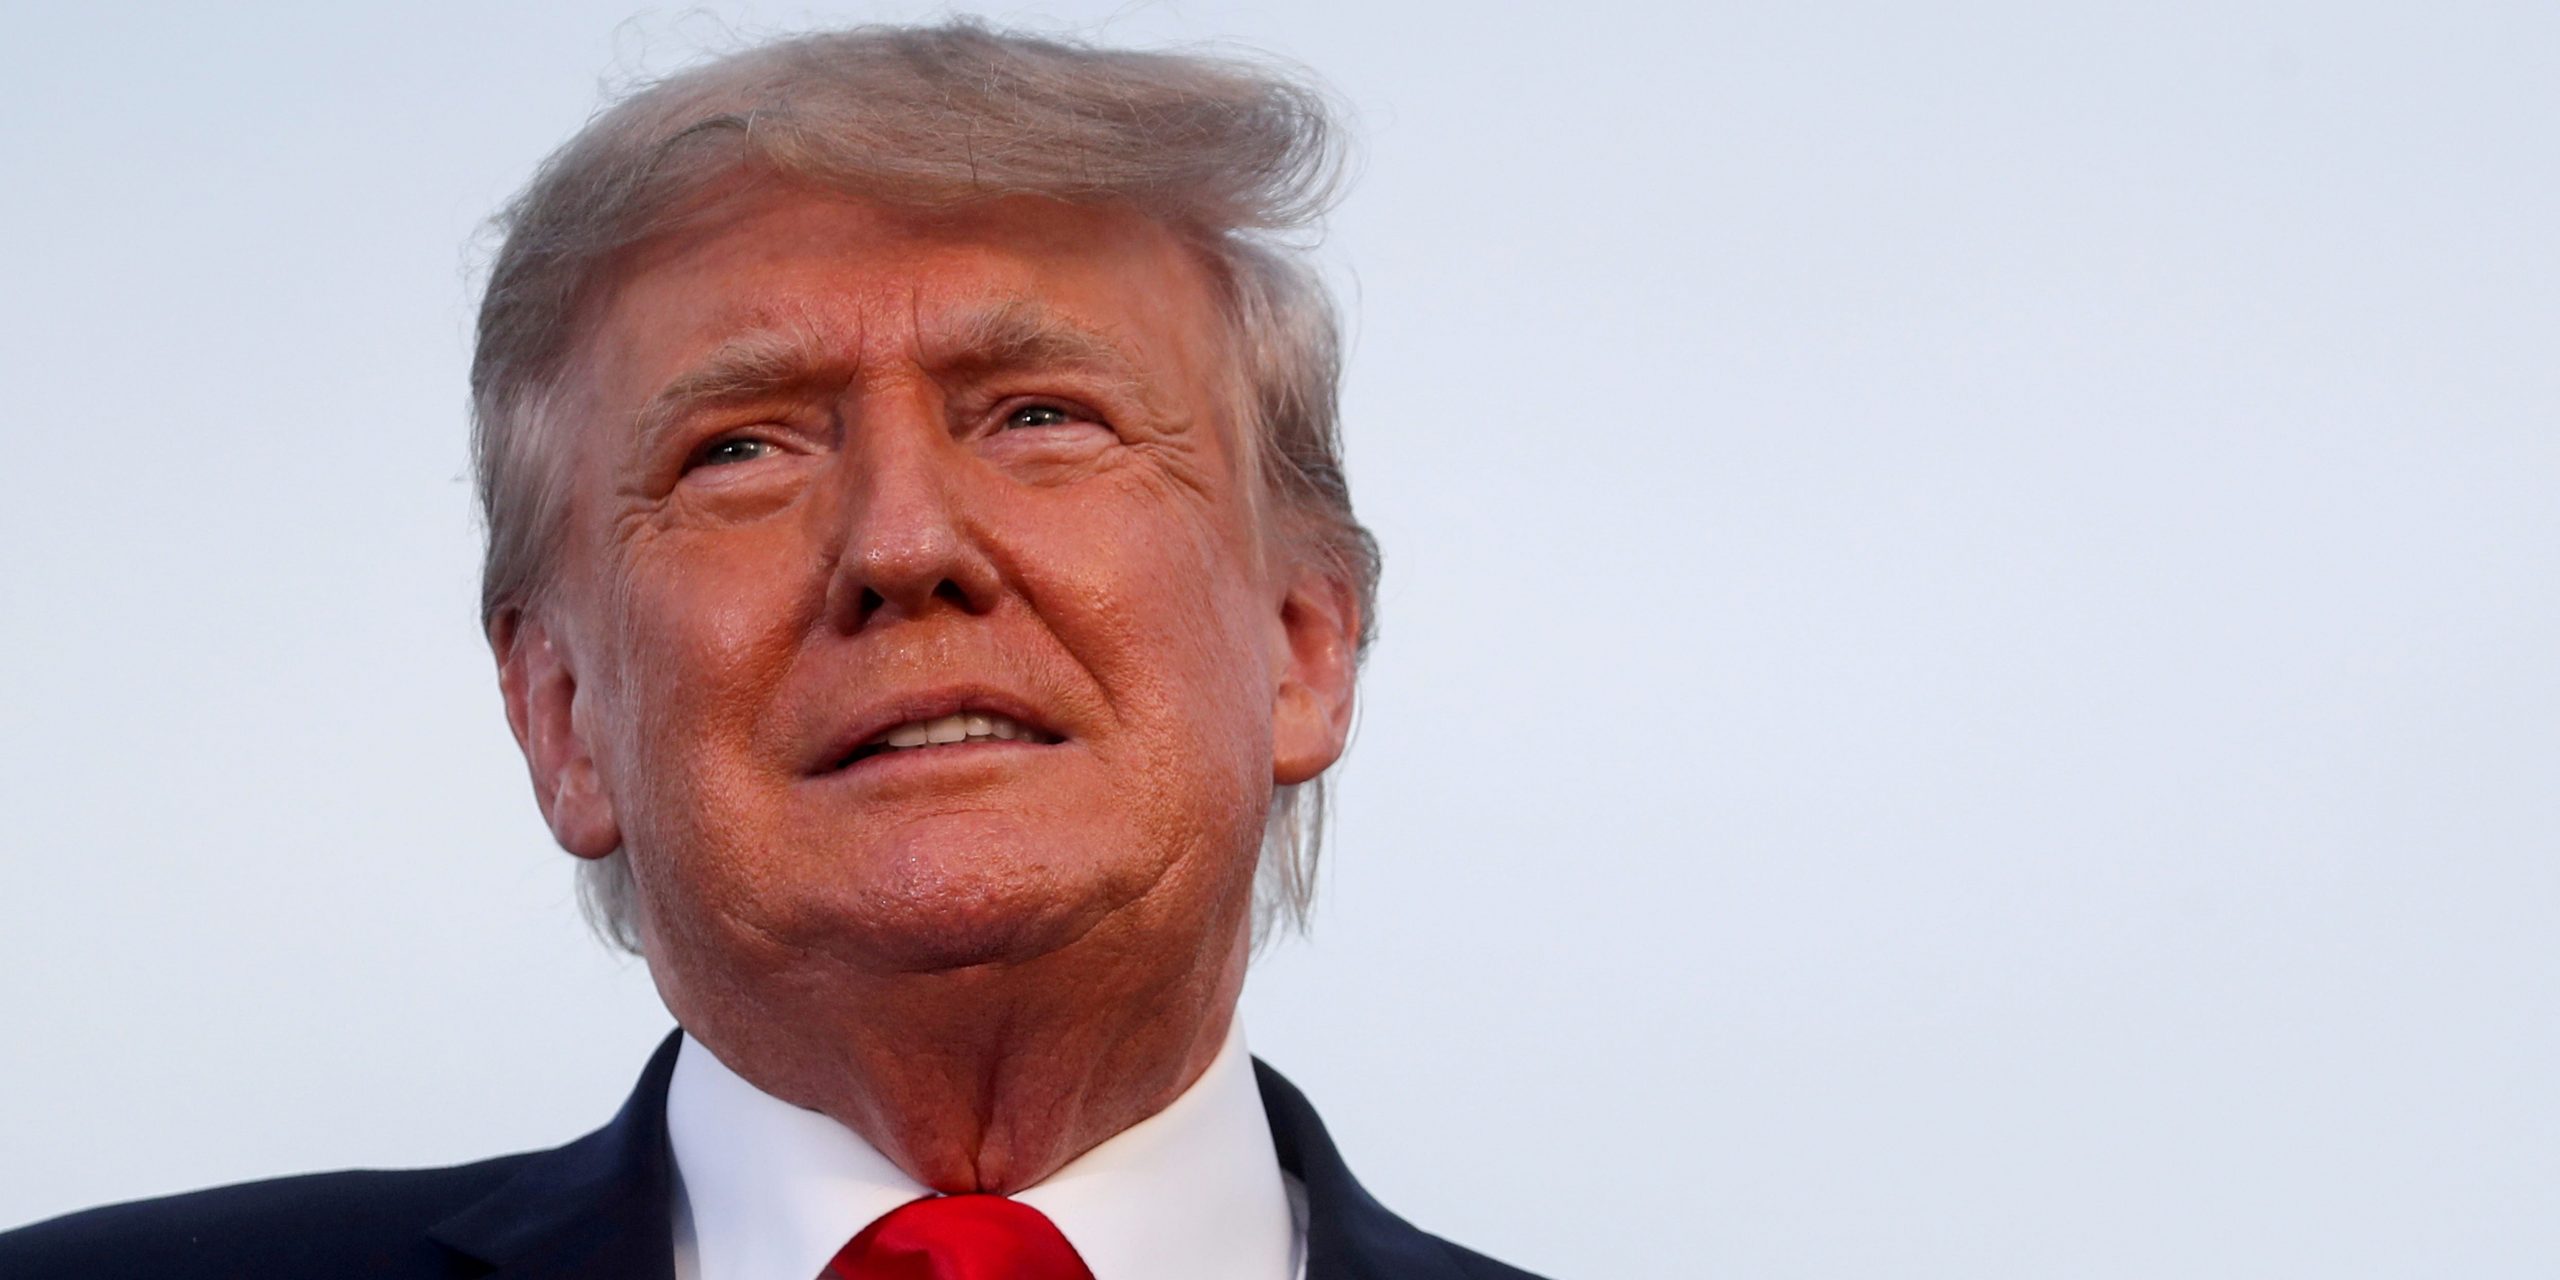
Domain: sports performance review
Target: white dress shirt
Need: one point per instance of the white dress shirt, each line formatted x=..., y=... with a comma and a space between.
x=770, y=1191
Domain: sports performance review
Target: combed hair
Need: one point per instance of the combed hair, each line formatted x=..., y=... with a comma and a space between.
x=1239, y=159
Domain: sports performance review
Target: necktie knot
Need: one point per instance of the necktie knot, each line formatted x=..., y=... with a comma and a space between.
x=963, y=1237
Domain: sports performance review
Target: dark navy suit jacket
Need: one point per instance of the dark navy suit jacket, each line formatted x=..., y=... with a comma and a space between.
x=596, y=1209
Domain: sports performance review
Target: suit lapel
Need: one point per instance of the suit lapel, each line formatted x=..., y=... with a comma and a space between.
x=596, y=1209
x=1350, y=1236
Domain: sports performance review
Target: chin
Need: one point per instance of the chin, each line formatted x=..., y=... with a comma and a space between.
x=954, y=892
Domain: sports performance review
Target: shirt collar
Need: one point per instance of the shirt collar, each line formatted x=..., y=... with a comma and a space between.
x=772, y=1191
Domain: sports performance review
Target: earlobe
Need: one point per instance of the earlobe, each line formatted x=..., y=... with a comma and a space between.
x=1318, y=667
x=541, y=693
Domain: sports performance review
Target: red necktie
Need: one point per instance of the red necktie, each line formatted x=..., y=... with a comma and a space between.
x=964, y=1237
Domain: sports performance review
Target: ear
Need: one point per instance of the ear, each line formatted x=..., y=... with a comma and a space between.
x=1319, y=628
x=542, y=694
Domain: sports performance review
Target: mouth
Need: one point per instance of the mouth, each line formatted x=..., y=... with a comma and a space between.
x=970, y=726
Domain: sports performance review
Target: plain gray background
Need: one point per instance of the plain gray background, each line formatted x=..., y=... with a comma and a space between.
x=1967, y=683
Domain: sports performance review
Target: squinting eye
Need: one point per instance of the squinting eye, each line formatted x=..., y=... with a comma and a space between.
x=732, y=449
x=1038, y=415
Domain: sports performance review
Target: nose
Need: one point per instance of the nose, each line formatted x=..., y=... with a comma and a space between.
x=910, y=546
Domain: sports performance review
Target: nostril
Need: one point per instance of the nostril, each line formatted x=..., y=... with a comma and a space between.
x=884, y=598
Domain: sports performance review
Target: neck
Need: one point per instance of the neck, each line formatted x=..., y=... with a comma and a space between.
x=987, y=1077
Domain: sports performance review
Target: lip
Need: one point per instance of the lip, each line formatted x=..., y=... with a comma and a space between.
x=880, y=717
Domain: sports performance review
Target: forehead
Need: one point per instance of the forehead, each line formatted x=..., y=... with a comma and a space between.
x=872, y=285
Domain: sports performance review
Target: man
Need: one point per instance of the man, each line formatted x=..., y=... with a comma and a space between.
x=922, y=583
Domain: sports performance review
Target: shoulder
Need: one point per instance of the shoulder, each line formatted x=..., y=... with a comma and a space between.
x=1394, y=1247
x=1350, y=1236
x=600, y=1201
x=1476, y=1266
x=357, y=1223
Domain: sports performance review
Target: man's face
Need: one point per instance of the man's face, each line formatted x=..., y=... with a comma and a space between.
x=846, y=480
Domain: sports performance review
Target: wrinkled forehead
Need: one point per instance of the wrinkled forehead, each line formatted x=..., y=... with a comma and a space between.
x=781, y=283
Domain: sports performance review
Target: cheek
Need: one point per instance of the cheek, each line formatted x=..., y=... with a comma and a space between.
x=705, y=643
x=711, y=617
x=1174, y=631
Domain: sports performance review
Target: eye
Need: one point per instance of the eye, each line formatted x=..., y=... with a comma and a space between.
x=1039, y=415
x=728, y=449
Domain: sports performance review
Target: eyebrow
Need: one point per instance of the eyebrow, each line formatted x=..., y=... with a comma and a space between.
x=761, y=364
x=1024, y=334
x=792, y=358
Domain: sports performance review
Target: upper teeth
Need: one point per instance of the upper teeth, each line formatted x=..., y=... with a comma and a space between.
x=964, y=727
